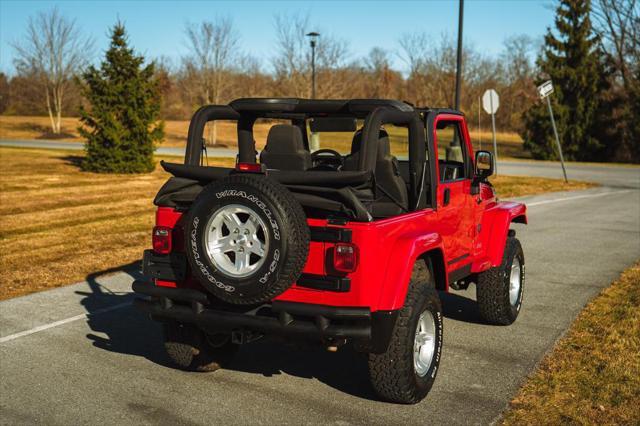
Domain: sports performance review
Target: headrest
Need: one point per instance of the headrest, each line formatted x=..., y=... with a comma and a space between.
x=384, y=147
x=356, y=142
x=283, y=139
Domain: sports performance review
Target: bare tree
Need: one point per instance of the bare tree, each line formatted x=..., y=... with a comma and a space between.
x=414, y=48
x=432, y=67
x=213, y=47
x=292, y=62
x=618, y=24
x=383, y=78
x=4, y=92
x=518, y=82
x=54, y=50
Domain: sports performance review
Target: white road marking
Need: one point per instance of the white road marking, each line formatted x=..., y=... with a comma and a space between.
x=61, y=322
x=557, y=200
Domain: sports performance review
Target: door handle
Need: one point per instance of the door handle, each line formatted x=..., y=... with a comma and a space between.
x=446, y=197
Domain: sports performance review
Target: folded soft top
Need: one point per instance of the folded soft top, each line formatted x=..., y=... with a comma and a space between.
x=331, y=179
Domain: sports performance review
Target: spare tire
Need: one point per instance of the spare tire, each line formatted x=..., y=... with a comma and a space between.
x=247, y=239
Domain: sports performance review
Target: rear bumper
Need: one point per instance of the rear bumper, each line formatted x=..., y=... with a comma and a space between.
x=370, y=331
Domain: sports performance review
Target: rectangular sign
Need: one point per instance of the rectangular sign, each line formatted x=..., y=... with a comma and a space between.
x=545, y=89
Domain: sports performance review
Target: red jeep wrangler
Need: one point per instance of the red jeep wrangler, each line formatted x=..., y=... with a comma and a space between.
x=329, y=247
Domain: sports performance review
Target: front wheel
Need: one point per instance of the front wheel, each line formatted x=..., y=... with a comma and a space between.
x=406, y=371
x=499, y=291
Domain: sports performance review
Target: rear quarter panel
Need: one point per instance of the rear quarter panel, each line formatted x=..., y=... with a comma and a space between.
x=388, y=251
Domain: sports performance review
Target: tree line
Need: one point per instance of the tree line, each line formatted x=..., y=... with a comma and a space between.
x=215, y=70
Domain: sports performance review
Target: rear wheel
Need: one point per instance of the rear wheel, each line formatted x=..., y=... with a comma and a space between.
x=406, y=371
x=499, y=291
x=191, y=349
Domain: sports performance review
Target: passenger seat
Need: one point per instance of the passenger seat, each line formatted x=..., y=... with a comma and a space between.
x=391, y=189
x=285, y=150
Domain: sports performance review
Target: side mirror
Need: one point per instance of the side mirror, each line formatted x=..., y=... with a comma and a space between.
x=484, y=164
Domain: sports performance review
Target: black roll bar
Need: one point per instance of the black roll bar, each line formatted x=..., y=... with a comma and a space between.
x=196, y=128
x=417, y=146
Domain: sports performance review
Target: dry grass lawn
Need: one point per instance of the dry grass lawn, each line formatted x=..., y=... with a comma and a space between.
x=20, y=127
x=58, y=224
x=513, y=186
x=592, y=377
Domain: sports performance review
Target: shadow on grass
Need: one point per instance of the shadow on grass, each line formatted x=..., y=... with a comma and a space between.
x=30, y=127
x=75, y=161
x=50, y=136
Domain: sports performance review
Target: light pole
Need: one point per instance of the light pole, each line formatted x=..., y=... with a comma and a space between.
x=313, y=37
x=459, y=55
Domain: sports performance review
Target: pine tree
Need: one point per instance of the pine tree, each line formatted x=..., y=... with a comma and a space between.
x=575, y=63
x=122, y=126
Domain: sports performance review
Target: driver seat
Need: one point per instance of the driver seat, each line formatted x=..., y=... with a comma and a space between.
x=285, y=150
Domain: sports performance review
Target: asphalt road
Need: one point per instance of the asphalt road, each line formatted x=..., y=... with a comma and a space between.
x=611, y=176
x=78, y=146
x=623, y=176
x=82, y=355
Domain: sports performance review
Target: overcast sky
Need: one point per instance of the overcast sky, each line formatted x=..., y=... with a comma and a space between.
x=156, y=28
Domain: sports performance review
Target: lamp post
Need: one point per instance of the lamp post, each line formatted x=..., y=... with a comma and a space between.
x=459, y=56
x=313, y=37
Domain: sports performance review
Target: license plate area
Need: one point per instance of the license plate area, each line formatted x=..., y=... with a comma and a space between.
x=170, y=267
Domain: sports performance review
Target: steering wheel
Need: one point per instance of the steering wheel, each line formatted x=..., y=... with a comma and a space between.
x=327, y=159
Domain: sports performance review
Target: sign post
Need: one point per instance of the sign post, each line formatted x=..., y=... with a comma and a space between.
x=490, y=103
x=544, y=90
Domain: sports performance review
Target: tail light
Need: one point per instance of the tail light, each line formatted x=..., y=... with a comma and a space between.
x=345, y=257
x=249, y=167
x=161, y=239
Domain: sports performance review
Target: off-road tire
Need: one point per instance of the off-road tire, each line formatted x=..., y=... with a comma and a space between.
x=190, y=349
x=392, y=373
x=285, y=222
x=492, y=290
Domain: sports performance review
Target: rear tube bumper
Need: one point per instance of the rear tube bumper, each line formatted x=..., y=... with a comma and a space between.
x=370, y=331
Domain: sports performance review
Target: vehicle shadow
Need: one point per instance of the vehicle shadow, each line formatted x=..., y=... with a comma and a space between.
x=344, y=370
x=127, y=331
x=460, y=308
x=123, y=330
